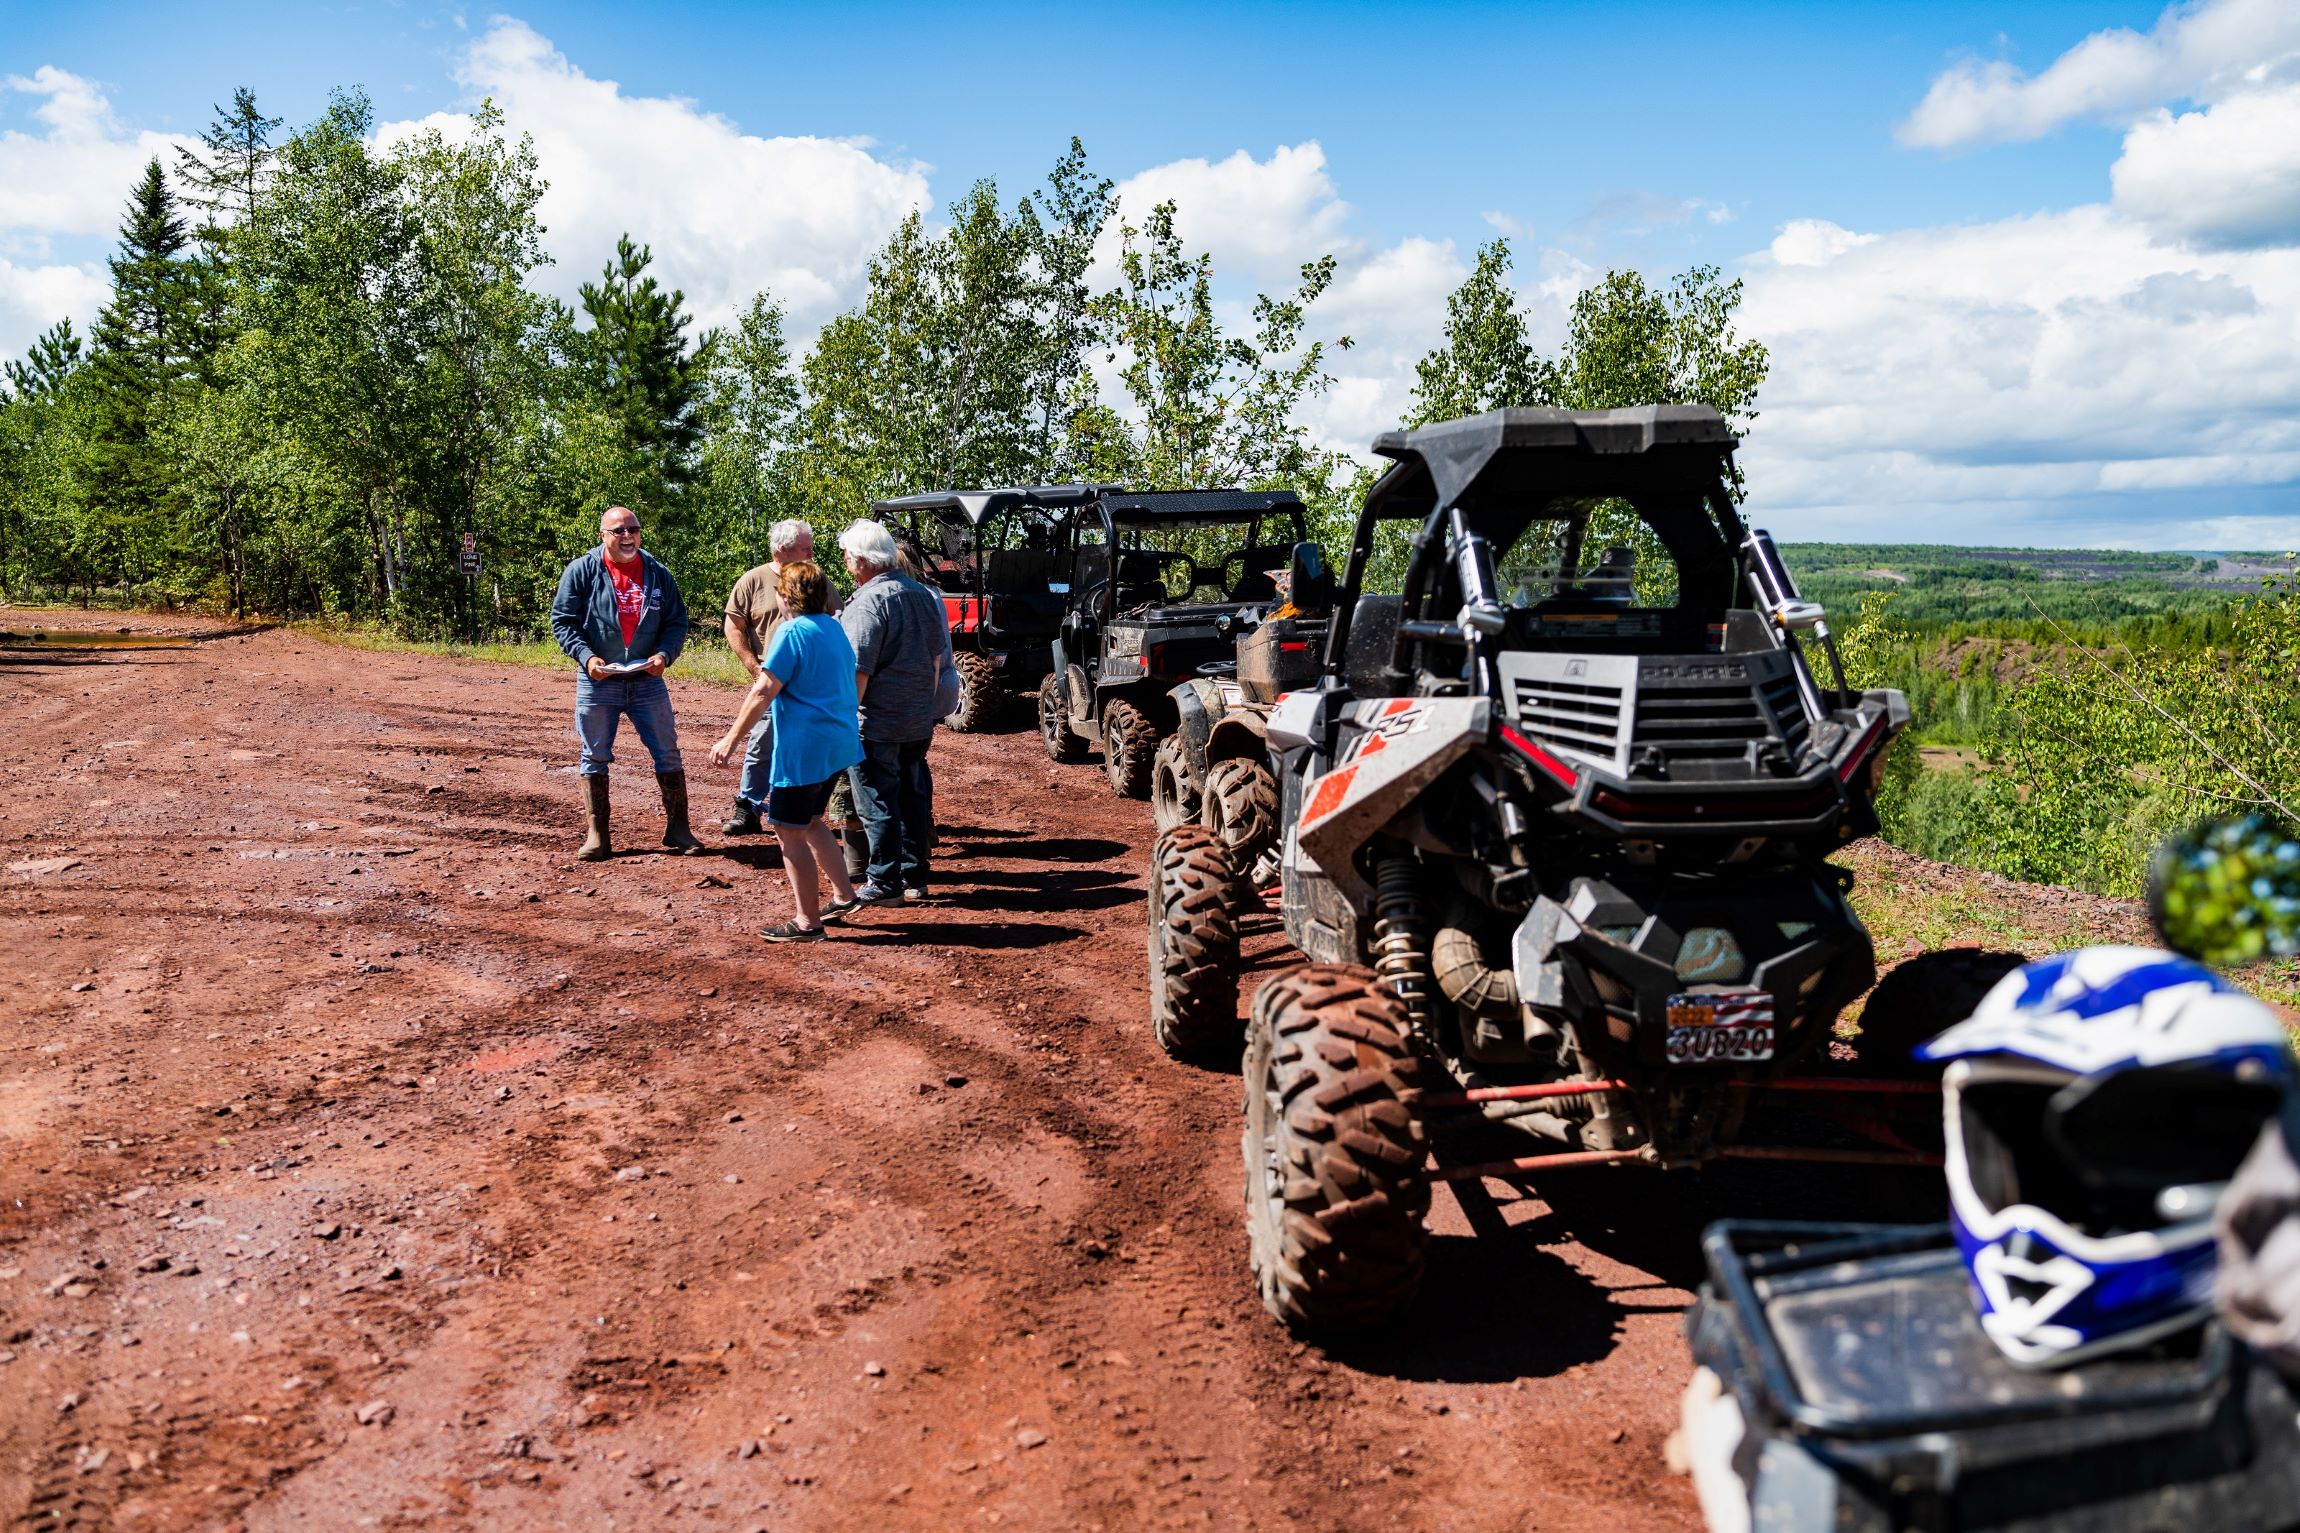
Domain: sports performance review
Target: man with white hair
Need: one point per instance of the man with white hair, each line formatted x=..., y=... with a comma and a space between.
x=901, y=641
x=754, y=611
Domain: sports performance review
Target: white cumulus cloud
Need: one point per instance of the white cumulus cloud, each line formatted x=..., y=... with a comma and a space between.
x=1813, y=242
x=2196, y=51
x=2028, y=368
x=1257, y=218
x=726, y=213
x=2228, y=175
x=63, y=192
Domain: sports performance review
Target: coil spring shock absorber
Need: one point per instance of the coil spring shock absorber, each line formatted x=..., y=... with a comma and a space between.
x=1401, y=939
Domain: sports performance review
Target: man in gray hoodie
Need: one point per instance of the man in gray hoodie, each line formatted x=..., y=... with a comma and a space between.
x=619, y=616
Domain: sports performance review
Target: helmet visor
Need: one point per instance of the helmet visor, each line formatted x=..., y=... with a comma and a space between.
x=2100, y=1151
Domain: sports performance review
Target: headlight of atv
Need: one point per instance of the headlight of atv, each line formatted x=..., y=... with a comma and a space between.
x=1710, y=955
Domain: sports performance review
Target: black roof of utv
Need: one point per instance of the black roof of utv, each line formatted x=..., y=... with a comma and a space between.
x=1197, y=508
x=973, y=506
x=1506, y=467
x=1550, y=452
x=1127, y=508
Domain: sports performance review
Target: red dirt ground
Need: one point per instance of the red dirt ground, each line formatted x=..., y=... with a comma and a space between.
x=331, y=1086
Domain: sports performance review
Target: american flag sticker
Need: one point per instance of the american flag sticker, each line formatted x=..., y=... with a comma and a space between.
x=1718, y=1027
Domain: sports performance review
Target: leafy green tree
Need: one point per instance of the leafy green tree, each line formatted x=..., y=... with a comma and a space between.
x=1627, y=343
x=475, y=239
x=2100, y=755
x=1206, y=408
x=1487, y=360
x=324, y=280
x=1062, y=228
x=641, y=366
x=750, y=420
x=225, y=461
x=937, y=377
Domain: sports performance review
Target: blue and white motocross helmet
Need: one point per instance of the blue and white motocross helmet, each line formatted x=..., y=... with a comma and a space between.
x=2095, y=1105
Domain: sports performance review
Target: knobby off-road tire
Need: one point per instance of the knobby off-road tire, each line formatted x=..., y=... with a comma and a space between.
x=1241, y=807
x=1919, y=998
x=1334, y=1148
x=1062, y=743
x=1193, y=947
x=980, y=697
x=1173, y=797
x=1129, y=742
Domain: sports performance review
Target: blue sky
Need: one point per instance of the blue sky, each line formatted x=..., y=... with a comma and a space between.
x=1984, y=241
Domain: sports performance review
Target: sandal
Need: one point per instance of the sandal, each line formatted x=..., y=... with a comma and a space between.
x=792, y=931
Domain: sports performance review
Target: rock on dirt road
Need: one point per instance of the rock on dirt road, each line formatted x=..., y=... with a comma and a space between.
x=366, y=1161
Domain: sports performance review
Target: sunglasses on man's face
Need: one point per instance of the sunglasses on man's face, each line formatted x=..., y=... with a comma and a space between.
x=622, y=532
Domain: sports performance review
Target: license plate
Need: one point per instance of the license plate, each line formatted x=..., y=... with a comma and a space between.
x=1721, y=1027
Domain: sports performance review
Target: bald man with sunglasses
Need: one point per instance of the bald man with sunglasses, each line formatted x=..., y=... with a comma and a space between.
x=619, y=616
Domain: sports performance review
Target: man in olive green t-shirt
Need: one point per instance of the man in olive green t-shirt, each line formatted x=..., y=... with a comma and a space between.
x=753, y=613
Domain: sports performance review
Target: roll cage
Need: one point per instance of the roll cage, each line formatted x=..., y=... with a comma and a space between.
x=1126, y=517
x=1475, y=485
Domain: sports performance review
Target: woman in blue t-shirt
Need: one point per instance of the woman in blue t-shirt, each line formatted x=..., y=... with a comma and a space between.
x=808, y=678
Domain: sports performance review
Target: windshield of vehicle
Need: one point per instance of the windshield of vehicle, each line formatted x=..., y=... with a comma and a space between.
x=1587, y=553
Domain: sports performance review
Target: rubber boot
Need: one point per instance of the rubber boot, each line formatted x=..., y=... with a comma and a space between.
x=596, y=847
x=744, y=821
x=676, y=835
x=858, y=851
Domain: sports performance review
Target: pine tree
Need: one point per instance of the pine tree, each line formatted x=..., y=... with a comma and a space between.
x=45, y=367
x=225, y=182
x=640, y=365
x=222, y=181
x=143, y=340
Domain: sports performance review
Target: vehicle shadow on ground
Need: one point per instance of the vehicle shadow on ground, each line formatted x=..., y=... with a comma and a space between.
x=1056, y=892
x=759, y=857
x=1652, y=1220
x=1494, y=1306
x=1005, y=935
x=1049, y=849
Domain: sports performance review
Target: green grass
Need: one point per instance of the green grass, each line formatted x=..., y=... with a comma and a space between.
x=705, y=659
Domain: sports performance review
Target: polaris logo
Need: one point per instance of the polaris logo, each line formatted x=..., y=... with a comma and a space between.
x=1693, y=670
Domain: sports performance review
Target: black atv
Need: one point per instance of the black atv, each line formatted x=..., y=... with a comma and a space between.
x=1137, y=623
x=1002, y=559
x=1557, y=854
x=1215, y=768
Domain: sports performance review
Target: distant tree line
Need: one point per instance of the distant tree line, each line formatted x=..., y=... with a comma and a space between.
x=325, y=364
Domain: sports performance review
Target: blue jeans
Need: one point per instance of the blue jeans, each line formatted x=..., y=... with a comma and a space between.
x=895, y=797
x=758, y=755
x=599, y=705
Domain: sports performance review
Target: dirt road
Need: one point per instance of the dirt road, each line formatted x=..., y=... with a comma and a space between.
x=367, y=1162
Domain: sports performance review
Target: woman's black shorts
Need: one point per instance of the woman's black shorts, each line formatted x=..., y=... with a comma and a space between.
x=799, y=806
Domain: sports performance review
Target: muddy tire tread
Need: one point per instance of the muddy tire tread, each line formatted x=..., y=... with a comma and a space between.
x=1129, y=742
x=1173, y=797
x=981, y=699
x=1341, y=1248
x=1193, y=947
x=1063, y=744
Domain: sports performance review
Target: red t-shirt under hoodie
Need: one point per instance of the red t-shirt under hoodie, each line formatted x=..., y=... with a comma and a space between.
x=630, y=596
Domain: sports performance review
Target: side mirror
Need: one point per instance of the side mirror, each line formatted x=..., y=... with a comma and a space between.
x=2227, y=892
x=1310, y=583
